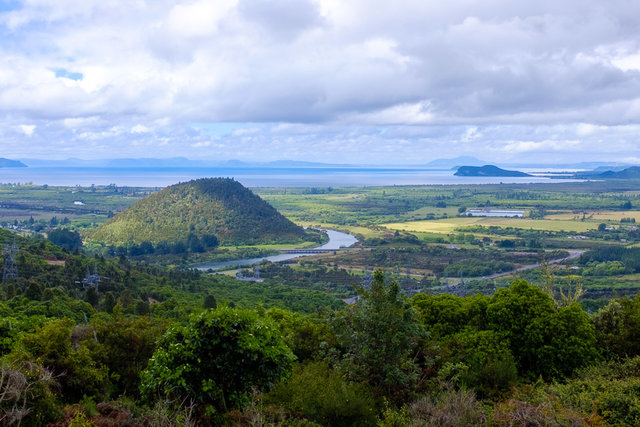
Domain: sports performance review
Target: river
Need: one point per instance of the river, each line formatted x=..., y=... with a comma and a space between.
x=337, y=240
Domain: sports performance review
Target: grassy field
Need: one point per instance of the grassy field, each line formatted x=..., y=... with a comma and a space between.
x=451, y=224
x=601, y=216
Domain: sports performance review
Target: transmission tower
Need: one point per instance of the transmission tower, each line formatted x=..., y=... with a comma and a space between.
x=10, y=270
x=91, y=279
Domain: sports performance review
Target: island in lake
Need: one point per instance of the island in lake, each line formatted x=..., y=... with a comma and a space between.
x=487, y=170
x=8, y=163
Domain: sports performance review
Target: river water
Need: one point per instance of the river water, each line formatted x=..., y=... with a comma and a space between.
x=337, y=240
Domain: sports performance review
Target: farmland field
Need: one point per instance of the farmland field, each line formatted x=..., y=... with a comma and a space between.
x=452, y=224
x=601, y=216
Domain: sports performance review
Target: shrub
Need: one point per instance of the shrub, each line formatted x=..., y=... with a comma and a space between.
x=451, y=408
x=323, y=395
x=217, y=358
x=26, y=395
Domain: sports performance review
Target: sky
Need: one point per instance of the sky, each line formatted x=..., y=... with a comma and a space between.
x=340, y=81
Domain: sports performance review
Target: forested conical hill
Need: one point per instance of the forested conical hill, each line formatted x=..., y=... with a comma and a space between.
x=219, y=207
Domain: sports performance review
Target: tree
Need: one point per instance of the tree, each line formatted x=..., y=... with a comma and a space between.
x=91, y=296
x=210, y=302
x=209, y=240
x=618, y=327
x=124, y=345
x=109, y=302
x=51, y=346
x=381, y=335
x=545, y=341
x=33, y=291
x=194, y=244
x=142, y=308
x=64, y=238
x=217, y=359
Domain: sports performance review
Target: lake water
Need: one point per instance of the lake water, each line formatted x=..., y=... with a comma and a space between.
x=250, y=177
x=337, y=240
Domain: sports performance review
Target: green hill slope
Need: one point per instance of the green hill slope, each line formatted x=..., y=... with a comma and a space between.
x=205, y=207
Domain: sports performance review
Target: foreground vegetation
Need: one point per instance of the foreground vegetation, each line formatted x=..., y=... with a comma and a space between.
x=149, y=345
x=542, y=329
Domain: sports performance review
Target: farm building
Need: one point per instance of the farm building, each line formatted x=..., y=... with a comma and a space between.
x=495, y=212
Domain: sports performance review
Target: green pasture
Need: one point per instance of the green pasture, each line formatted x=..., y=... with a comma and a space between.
x=451, y=225
x=600, y=215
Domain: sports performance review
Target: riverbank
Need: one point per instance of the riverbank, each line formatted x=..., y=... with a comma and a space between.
x=337, y=241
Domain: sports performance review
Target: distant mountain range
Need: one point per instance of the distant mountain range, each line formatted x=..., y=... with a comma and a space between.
x=8, y=163
x=488, y=170
x=455, y=162
x=182, y=162
x=174, y=162
x=632, y=172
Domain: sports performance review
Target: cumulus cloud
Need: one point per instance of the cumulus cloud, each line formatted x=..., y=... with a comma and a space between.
x=27, y=129
x=139, y=129
x=355, y=77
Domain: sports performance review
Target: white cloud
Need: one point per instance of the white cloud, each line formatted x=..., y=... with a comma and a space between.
x=494, y=75
x=27, y=129
x=198, y=18
x=470, y=134
x=140, y=129
x=547, y=145
x=628, y=62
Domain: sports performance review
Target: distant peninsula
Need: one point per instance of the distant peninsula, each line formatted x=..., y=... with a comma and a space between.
x=632, y=172
x=487, y=170
x=8, y=163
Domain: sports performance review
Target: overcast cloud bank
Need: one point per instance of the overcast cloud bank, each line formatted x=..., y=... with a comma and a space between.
x=327, y=80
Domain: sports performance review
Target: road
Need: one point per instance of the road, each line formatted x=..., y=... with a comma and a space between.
x=572, y=254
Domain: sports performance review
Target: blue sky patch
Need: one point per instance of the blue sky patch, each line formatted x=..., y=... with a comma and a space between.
x=66, y=74
x=9, y=5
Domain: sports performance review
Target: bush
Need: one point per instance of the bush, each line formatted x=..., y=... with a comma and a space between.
x=610, y=390
x=217, y=359
x=26, y=395
x=324, y=396
x=490, y=367
x=451, y=408
x=518, y=413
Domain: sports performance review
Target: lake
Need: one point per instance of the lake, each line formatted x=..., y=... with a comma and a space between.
x=250, y=177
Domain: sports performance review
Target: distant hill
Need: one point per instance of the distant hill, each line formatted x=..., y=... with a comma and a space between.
x=487, y=170
x=632, y=172
x=8, y=163
x=219, y=207
x=457, y=161
x=173, y=162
